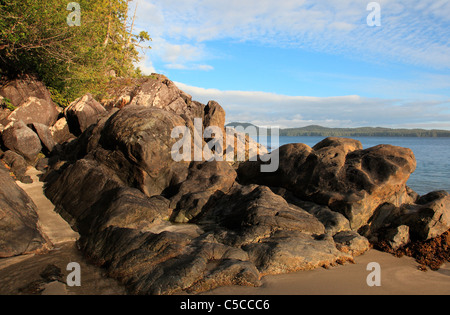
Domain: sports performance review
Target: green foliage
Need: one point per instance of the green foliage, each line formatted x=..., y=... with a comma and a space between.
x=35, y=38
x=58, y=98
x=6, y=103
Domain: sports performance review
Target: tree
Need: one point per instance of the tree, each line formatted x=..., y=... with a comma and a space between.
x=35, y=38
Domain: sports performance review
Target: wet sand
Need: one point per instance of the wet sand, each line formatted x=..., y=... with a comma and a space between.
x=21, y=274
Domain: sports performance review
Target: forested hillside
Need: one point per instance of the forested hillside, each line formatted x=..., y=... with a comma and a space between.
x=36, y=38
x=319, y=131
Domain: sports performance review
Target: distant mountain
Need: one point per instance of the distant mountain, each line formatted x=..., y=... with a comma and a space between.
x=320, y=131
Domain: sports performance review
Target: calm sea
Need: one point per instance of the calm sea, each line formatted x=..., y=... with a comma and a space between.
x=432, y=155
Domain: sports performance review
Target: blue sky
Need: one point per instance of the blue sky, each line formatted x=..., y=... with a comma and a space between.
x=294, y=63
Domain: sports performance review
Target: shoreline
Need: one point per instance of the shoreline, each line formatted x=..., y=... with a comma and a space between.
x=399, y=276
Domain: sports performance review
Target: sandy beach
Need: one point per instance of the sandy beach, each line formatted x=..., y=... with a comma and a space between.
x=399, y=276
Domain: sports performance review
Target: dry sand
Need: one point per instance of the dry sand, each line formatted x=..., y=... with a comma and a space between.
x=398, y=275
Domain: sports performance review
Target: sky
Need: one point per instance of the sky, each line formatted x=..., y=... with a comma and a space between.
x=294, y=63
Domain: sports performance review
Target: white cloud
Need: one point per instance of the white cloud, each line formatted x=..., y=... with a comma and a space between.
x=413, y=31
x=146, y=66
x=178, y=66
x=266, y=109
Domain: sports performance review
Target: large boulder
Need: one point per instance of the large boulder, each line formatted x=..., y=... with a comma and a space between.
x=22, y=140
x=140, y=137
x=45, y=135
x=204, y=180
x=214, y=116
x=17, y=164
x=60, y=131
x=19, y=229
x=426, y=218
x=339, y=174
x=250, y=213
x=429, y=217
x=78, y=187
x=35, y=110
x=18, y=91
x=82, y=113
x=154, y=91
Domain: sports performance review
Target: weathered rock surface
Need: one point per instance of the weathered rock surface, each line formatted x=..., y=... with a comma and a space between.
x=214, y=116
x=426, y=219
x=204, y=180
x=293, y=251
x=35, y=110
x=22, y=140
x=351, y=242
x=155, y=91
x=251, y=213
x=19, y=231
x=339, y=174
x=83, y=113
x=60, y=131
x=79, y=188
x=142, y=135
x=19, y=90
x=45, y=135
x=15, y=162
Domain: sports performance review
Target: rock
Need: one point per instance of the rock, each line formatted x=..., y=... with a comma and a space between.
x=398, y=237
x=351, y=242
x=169, y=262
x=52, y=273
x=155, y=91
x=42, y=164
x=214, y=116
x=241, y=147
x=78, y=188
x=16, y=162
x=45, y=136
x=35, y=110
x=429, y=218
x=251, y=213
x=19, y=230
x=142, y=135
x=60, y=131
x=294, y=251
x=22, y=140
x=204, y=180
x=334, y=222
x=82, y=113
x=19, y=90
x=129, y=208
x=337, y=173
x=166, y=227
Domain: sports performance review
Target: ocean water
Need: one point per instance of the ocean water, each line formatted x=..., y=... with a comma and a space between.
x=432, y=155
